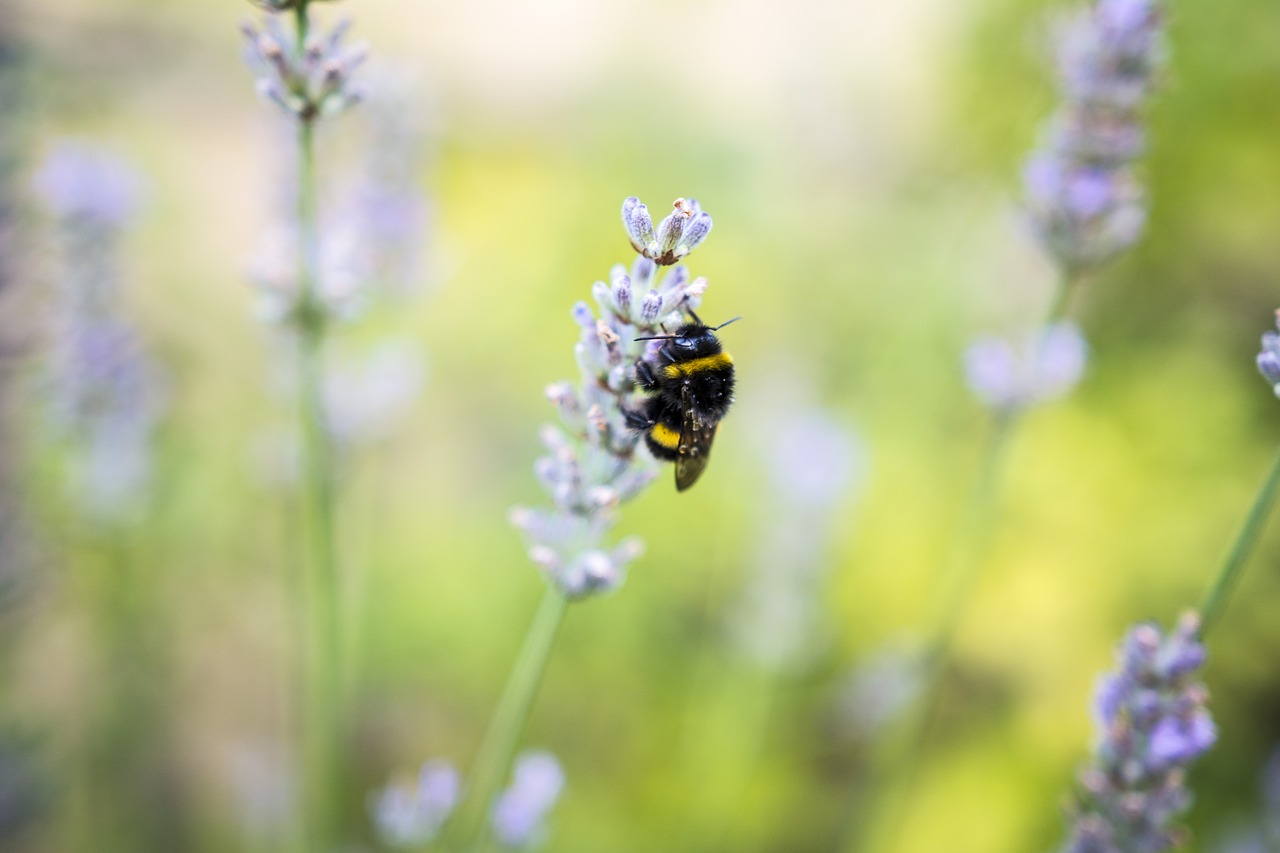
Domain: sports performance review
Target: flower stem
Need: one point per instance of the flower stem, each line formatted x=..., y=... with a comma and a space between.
x=1216, y=598
x=959, y=578
x=500, y=739
x=321, y=646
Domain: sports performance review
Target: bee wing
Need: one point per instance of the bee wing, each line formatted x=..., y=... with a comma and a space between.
x=695, y=446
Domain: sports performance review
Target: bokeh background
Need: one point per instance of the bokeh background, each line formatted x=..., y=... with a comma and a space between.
x=861, y=162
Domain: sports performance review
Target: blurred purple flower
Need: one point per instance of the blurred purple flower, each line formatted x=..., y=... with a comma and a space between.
x=1269, y=357
x=373, y=228
x=813, y=463
x=815, y=460
x=1046, y=367
x=80, y=181
x=365, y=400
x=411, y=814
x=520, y=812
x=1153, y=725
x=103, y=396
x=881, y=686
x=1082, y=197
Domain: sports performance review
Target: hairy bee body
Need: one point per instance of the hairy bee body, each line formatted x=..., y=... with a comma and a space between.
x=690, y=381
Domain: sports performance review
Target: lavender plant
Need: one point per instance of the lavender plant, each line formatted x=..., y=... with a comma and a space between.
x=1085, y=206
x=592, y=466
x=1151, y=712
x=309, y=77
x=102, y=397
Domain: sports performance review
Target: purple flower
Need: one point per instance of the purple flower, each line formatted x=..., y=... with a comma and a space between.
x=81, y=181
x=1153, y=724
x=364, y=400
x=682, y=231
x=1083, y=200
x=307, y=84
x=1179, y=740
x=815, y=459
x=519, y=814
x=1045, y=367
x=1269, y=358
x=410, y=814
x=814, y=465
x=103, y=397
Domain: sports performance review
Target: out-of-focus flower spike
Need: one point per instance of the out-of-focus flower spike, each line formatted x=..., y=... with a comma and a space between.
x=1153, y=724
x=1084, y=202
x=1269, y=358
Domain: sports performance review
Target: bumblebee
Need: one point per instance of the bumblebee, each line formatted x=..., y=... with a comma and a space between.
x=690, y=386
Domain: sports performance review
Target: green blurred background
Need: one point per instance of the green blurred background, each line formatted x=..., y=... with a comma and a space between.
x=861, y=162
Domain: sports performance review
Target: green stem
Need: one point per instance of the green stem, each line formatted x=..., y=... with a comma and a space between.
x=499, y=745
x=1216, y=598
x=321, y=647
x=959, y=577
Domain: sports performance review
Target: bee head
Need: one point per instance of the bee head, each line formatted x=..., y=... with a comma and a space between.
x=693, y=338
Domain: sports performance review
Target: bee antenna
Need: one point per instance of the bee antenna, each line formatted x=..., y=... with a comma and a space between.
x=654, y=338
x=725, y=323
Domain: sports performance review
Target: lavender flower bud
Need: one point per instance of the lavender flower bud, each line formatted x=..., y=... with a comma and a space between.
x=694, y=233
x=678, y=234
x=583, y=315
x=651, y=307
x=671, y=228
x=639, y=225
x=622, y=295
x=643, y=273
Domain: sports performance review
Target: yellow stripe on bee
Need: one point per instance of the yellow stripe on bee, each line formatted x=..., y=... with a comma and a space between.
x=694, y=365
x=665, y=436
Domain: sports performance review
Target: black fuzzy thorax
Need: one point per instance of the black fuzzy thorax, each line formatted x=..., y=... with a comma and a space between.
x=707, y=386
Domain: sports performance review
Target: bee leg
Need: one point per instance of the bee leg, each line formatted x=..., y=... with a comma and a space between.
x=645, y=377
x=637, y=420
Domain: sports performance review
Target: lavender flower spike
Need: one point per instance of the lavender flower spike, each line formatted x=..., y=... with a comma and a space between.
x=1154, y=724
x=592, y=464
x=1269, y=357
x=1083, y=199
